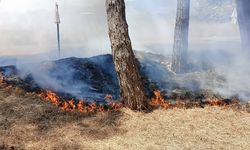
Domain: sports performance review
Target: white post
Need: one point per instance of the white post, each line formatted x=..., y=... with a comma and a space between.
x=57, y=22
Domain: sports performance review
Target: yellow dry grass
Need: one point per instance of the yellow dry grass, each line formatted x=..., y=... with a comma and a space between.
x=26, y=122
x=209, y=128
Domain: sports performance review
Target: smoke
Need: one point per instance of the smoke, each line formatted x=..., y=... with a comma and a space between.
x=42, y=75
x=89, y=79
x=237, y=78
x=27, y=28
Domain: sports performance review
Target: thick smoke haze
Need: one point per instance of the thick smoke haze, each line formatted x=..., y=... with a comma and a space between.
x=27, y=29
x=27, y=26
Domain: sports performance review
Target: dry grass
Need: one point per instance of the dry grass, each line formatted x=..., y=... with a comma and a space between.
x=26, y=122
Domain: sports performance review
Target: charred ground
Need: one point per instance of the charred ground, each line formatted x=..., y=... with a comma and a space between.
x=93, y=78
x=28, y=122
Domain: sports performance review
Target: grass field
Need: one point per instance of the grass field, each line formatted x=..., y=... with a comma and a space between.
x=27, y=122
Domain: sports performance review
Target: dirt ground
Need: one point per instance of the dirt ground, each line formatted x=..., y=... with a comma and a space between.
x=27, y=122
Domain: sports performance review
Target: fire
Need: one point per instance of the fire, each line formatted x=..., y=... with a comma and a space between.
x=2, y=81
x=83, y=106
x=101, y=109
x=65, y=106
x=52, y=97
x=79, y=106
x=158, y=100
x=218, y=102
x=92, y=107
x=115, y=106
x=72, y=104
x=215, y=102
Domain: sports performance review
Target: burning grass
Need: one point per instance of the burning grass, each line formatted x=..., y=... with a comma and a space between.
x=44, y=120
x=74, y=105
x=28, y=122
x=26, y=119
x=157, y=101
x=80, y=105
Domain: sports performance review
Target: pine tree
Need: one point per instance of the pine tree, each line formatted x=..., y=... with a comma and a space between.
x=131, y=85
x=179, y=59
x=243, y=11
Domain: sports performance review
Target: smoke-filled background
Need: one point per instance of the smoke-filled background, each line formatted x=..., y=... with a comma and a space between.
x=27, y=27
x=28, y=32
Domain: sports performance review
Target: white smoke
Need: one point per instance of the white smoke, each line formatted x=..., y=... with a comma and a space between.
x=27, y=28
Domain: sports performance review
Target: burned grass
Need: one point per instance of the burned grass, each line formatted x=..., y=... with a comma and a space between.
x=26, y=118
x=28, y=122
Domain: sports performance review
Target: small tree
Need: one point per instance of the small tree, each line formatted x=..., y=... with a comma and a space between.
x=131, y=86
x=179, y=59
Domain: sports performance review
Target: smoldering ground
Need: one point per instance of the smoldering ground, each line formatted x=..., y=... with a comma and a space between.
x=214, y=43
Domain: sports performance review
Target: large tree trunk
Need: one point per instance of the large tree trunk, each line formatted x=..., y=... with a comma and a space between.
x=243, y=11
x=179, y=59
x=131, y=86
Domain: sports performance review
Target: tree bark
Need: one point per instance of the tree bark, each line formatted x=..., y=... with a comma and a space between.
x=243, y=11
x=131, y=86
x=179, y=58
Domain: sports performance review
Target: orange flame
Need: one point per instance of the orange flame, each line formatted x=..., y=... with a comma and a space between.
x=115, y=106
x=158, y=100
x=84, y=107
x=215, y=102
x=65, y=106
x=72, y=104
x=101, y=109
x=2, y=79
x=52, y=97
x=81, y=105
x=92, y=107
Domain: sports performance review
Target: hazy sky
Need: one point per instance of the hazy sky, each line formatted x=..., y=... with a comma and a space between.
x=27, y=27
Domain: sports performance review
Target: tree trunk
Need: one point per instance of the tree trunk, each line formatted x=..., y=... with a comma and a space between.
x=131, y=86
x=243, y=11
x=179, y=59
